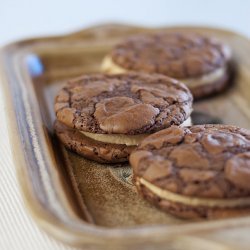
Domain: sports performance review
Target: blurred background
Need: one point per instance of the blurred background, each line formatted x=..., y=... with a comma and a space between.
x=28, y=18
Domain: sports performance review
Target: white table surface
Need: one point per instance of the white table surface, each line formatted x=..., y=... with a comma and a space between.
x=27, y=18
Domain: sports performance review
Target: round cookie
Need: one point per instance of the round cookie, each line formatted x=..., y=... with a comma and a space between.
x=201, y=171
x=202, y=63
x=115, y=112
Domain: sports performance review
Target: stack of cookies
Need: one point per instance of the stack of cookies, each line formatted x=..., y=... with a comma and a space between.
x=138, y=110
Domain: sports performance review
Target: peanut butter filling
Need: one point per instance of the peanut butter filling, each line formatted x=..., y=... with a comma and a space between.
x=110, y=67
x=194, y=201
x=205, y=79
x=129, y=140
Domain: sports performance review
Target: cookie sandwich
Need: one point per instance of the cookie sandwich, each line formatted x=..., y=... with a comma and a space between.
x=104, y=117
x=201, y=62
x=201, y=171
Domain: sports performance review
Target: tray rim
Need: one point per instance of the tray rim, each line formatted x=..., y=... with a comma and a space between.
x=48, y=222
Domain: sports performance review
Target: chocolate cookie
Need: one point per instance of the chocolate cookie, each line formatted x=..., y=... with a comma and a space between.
x=103, y=117
x=200, y=171
x=198, y=61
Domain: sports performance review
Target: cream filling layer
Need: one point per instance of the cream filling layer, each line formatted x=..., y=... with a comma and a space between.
x=186, y=123
x=129, y=140
x=205, y=79
x=193, y=201
x=110, y=67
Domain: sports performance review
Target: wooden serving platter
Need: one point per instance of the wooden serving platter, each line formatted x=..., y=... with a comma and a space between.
x=92, y=205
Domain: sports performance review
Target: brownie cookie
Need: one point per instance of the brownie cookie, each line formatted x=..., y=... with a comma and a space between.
x=103, y=117
x=200, y=171
x=200, y=62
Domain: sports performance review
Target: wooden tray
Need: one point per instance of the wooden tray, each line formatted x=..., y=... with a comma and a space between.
x=92, y=205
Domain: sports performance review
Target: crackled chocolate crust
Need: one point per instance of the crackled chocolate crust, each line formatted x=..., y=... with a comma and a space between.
x=178, y=55
x=123, y=104
x=203, y=161
x=91, y=149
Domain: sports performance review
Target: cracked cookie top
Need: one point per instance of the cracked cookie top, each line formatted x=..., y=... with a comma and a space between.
x=179, y=55
x=210, y=161
x=123, y=104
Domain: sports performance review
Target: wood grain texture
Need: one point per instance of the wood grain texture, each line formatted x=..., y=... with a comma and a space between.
x=88, y=204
